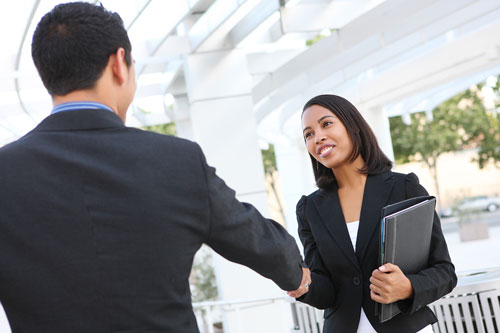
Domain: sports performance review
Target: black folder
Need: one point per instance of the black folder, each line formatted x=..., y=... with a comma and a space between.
x=405, y=238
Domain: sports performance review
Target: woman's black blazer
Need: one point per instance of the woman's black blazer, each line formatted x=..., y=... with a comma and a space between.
x=340, y=276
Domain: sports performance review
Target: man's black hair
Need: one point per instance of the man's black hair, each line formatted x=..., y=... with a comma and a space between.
x=72, y=44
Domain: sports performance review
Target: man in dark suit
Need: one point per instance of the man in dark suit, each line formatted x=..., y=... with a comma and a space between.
x=100, y=222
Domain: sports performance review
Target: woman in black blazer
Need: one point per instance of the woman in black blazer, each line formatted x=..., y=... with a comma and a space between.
x=339, y=228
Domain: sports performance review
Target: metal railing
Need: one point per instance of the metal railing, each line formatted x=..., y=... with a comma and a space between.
x=209, y=314
x=306, y=318
x=472, y=307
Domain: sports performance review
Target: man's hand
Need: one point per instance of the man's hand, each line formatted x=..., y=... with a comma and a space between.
x=304, y=284
x=389, y=284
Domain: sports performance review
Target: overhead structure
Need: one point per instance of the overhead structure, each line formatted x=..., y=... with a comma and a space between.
x=392, y=54
x=163, y=33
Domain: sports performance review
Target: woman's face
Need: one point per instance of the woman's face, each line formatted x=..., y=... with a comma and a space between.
x=326, y=137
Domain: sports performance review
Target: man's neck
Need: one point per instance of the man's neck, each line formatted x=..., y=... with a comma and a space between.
x=81, y=96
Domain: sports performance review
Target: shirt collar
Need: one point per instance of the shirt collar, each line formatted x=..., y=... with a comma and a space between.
x=79, y=106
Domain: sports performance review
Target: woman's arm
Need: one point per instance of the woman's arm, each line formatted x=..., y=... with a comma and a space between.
x=321, y=292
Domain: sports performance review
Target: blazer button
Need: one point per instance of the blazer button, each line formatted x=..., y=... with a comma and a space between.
x=356, y=281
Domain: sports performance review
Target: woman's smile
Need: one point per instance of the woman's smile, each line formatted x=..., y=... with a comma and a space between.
x=325, y=150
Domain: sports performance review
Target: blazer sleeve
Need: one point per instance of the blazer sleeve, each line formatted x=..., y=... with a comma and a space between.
x=439, y=278
x=321, y=292
x=239, y=233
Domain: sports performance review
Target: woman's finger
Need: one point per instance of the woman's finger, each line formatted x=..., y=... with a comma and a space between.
x=376, y=289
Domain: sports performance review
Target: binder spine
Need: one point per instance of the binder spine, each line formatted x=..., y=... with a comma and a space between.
x=393, y=241
x=382, y=242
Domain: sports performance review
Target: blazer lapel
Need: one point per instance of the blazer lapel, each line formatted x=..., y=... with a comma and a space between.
x=328, y=205
x=376, y=194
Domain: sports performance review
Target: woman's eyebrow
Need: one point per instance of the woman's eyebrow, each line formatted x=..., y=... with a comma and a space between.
x=319, y=121
x=327, y=116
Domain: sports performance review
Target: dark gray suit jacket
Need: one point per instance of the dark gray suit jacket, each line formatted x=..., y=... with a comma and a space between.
x=340, y=275
x=99, y=224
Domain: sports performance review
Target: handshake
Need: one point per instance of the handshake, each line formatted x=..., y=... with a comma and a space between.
x=304, y=284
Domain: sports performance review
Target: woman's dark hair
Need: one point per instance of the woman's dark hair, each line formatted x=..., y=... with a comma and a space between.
x=363, y=140
x=72, y=44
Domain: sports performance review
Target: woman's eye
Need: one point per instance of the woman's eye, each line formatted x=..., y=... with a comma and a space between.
x=307, y=135
x=326, y=123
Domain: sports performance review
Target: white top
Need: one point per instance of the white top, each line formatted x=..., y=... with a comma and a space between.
x=364, y=323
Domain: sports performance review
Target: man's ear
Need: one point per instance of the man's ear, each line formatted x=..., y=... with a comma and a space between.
x=119, y=66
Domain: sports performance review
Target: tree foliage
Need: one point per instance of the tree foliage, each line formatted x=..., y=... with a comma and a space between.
x=490, y=144
x=202, y=278
x=458, y=123
x=270, y=168
x=319, y=37
x=269, y=159
x=168, y=128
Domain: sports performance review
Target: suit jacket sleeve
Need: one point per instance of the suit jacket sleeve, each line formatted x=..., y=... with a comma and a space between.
x=240, y=234
x=321, y=291
x=439, y=278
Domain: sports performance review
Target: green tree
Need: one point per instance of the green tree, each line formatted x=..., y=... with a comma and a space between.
x=489, y=151
x=319, y=37
x=460, y=122
x=168, y=128
x=269, y=159
x=202, y=277
x=270, y=169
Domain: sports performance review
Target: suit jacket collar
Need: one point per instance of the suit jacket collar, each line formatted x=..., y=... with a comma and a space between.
x=375, y=197
x=376, y=193
x=328, y=205
x=80, y=120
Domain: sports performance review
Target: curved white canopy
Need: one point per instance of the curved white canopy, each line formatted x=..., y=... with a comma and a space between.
x=394, y=54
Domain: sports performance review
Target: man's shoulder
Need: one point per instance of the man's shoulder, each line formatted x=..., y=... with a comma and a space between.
x=166, y=139
x=11, y=146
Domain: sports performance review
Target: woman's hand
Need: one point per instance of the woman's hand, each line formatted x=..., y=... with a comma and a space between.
x=389, y=284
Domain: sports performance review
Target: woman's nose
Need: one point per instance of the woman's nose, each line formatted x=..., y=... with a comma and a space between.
x=320, y=138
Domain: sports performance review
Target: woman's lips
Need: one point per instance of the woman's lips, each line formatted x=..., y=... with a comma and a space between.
x=325, y=150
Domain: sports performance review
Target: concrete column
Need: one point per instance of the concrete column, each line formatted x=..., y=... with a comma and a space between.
x=222, y=117
x=379, y=122
x=182, y=117
x=297, y=178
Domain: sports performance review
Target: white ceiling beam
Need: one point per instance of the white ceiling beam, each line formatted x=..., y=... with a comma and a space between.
x=170, y=43
x=261, y=37
x=454, y=61
x=201, y=6
x=429, y=99
x=324, y=14
x=363, y=28
x=18, y=57
x=262, y=63
x=337, y=58
x=158, y=83
x=252, y=20
x=172, y=47
x=211, y=29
